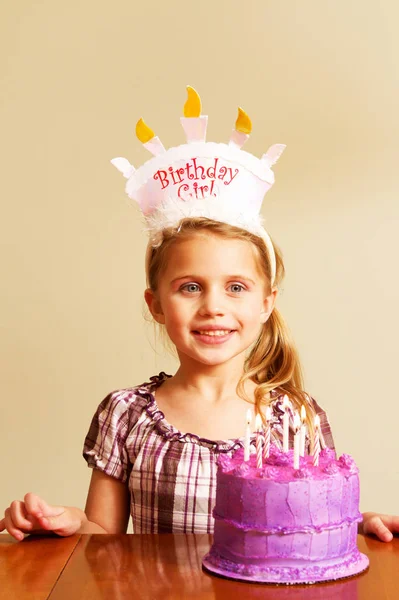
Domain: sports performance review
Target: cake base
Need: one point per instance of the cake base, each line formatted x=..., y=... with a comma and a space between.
x=331, y=570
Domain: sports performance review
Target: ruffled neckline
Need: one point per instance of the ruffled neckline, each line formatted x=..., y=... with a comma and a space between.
x=171, y=433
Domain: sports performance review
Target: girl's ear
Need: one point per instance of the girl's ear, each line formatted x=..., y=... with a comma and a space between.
x=268, y=306
x=264, y=316
x=154, y=306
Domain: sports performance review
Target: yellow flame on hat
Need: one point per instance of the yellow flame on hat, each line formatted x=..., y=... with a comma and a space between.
x=192, y=107
x=143, y=132
x=243, y=123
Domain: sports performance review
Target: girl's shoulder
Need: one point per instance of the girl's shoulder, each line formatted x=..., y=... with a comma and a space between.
x=132, y=400
x=117, y=417
x=144, y=390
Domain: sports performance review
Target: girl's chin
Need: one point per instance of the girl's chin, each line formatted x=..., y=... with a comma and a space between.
x=210, y=358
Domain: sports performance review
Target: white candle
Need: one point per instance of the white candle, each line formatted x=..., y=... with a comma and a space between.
x=193, y=123
x=316, y=441
x=148, y=138
x=258, y=427
x=303, y=431
x=247, y=438
x=195, y=128
x=266, y=447
x=297, y=425
x=124, y=166
x=155, y=146
x=242, y=129
x=286, y=423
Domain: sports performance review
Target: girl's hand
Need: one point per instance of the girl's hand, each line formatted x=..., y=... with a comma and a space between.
x=34, y=515
x=383, y=526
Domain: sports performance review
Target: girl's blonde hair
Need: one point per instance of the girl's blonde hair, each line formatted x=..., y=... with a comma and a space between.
x=273, y=362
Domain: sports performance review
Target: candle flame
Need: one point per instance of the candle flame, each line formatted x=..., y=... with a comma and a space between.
x=243, y=123
x=317, y=421
x=143, y=132
x=249, y=416
x=286, y=402
x=258, y=422
x=192, y=107
x=303, y=413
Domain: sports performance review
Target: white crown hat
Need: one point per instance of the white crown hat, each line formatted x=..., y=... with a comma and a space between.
x=201, y=179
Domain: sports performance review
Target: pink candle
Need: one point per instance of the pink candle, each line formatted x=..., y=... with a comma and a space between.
x=297, y=425
x=322, y=440
x=258, y=426
x=266, y=447
x=316, y=441
x=303, y=432
x=247, y=438
x=286, y=423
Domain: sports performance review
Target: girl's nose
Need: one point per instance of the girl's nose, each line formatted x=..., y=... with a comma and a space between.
x=211, y=305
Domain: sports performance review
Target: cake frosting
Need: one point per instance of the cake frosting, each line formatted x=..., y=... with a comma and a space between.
x=278, y=524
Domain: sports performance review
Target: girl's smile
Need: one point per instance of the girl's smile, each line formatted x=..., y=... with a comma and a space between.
x=211, y=337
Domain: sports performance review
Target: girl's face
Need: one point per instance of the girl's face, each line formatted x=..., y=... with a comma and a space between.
x=211, y=298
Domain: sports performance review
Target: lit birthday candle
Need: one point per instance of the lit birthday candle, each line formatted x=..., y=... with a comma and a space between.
x=266, y=447
x=247, y=438
x=193, y=123
x=316, y=441
x=258, y=427
x=286, y=423
x=303, y=431
x=243, y=128
x=297, y=426
x=148, y=138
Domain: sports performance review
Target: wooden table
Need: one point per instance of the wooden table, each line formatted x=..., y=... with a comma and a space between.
x=118, y=567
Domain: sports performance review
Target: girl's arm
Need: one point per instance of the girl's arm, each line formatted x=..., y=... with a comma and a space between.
x=107, y=505
x=107, y=511
x=107, y=508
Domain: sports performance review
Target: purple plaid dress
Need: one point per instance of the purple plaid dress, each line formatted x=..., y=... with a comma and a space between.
x=171, y=475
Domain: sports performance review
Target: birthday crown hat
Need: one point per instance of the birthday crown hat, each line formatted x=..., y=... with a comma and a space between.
x=218, y=181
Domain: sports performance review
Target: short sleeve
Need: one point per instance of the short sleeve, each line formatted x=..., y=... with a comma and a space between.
x=105, y=444
x=324, y=426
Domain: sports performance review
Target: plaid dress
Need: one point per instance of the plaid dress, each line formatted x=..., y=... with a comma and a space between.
x=171, y=475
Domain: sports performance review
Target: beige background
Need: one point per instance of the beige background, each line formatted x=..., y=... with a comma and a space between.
x=320, y=76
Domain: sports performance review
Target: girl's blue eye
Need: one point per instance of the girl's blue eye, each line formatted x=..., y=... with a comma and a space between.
x=236, y=288
x=190, y=287
x=193, y=288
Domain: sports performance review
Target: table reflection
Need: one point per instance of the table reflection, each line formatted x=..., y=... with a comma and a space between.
x=170, y=567
x=340, y=590
x=170, y=564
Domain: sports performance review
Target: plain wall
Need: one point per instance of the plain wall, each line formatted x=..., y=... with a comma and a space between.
x=319, y=76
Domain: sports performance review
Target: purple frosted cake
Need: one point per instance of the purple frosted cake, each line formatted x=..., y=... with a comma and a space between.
x=278, y=524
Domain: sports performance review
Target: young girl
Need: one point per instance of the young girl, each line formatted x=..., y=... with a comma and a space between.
x=154, y=448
